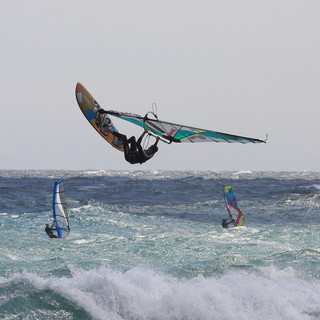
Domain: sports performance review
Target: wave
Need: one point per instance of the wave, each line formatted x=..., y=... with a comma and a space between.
x=157, y=174
x=141, y=293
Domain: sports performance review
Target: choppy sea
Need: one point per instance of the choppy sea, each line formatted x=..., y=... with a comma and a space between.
x=149, y=245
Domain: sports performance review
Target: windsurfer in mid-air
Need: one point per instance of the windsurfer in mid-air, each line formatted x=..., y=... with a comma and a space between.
x=49, y=232
x=132, y=149
x=225, y=222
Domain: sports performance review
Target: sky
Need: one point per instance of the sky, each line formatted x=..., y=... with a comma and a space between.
x=243, y=67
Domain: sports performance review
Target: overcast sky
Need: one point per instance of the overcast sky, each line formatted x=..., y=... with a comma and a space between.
x=240, y=67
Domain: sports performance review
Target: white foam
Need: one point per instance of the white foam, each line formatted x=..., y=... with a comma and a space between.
x=141, y=293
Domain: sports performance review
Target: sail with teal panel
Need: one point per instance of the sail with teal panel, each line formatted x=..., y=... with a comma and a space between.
x=60, y=213
x=172, y=132
x=233, y=206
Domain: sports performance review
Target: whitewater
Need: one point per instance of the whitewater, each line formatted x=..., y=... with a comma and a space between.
x=149, y=245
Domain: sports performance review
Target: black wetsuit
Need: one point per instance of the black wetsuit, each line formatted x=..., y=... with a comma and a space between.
x=225, y=224
x=132, y=149
x=49, y=232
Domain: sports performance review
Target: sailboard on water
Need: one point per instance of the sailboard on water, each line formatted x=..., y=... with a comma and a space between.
x=60, y=227
x=167, y=131
x=233, y=209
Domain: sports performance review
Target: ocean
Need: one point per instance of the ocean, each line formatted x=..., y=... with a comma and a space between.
x=149, y=245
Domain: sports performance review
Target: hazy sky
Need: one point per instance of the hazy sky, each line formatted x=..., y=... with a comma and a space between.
x=241, y=67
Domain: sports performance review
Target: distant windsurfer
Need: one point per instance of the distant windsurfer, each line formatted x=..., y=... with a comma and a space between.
x=225, y=222
x=49, y=231
x=232, y=207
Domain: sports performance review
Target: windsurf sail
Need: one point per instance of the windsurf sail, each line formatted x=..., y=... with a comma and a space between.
x=232, y=206
x=173, y=132
x=60, y=214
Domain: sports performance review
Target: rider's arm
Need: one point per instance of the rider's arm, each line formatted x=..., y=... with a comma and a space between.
x=141, y=137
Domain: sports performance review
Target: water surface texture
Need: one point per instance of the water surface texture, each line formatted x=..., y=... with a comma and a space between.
x=149, y=245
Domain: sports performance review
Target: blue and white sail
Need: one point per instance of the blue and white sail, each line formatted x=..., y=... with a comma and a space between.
x=60, y=214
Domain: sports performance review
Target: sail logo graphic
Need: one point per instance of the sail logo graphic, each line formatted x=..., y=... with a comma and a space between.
x=198, y=136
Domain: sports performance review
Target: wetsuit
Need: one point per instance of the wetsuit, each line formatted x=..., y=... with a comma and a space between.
x=132, y=149
x=49, y=232
x=225, y=224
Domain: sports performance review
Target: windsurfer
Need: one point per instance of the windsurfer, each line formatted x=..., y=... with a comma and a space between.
x=225, y=223
x=49, y=232
x=133, y=151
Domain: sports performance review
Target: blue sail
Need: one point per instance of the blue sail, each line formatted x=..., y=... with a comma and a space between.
x=60, y=214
